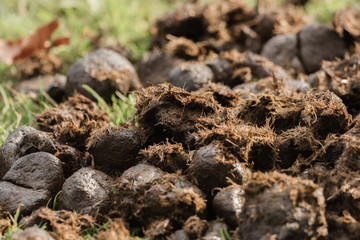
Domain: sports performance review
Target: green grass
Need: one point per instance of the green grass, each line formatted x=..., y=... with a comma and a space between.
x=15, y=228
x=55, y=201
x=89, y=233
x=322, y=10
x=18, y=110
x=224, y=234
x=121, y=109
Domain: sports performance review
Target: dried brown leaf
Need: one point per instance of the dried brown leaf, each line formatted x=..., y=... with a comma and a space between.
x=23, y=48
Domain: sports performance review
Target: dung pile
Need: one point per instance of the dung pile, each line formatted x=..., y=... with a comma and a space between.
x=228, y=42
x=188, y=161
x=242, y=146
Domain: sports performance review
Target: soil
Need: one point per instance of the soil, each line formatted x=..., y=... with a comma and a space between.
x=256, y=135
